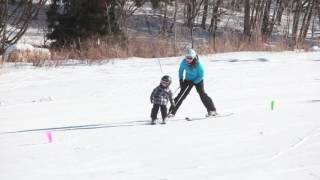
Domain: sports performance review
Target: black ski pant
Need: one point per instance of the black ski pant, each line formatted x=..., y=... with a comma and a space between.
x=185, y=90
x=155, y=109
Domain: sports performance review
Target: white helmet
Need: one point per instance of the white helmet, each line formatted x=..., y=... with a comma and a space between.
x=191, y=54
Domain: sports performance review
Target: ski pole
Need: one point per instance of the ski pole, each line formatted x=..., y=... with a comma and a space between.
x=160, y=65
x=185, y=90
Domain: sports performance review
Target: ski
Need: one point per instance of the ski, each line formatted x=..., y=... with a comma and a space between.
x=208, y=117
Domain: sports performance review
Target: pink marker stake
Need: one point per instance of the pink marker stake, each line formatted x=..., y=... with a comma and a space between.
x=49, y=136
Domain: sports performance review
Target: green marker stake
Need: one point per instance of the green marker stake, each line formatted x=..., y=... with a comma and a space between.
x=272, y=105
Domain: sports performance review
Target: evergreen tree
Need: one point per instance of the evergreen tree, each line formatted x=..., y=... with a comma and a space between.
x=70, y=20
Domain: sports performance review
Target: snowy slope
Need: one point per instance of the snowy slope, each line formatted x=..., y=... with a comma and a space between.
x=98, y=116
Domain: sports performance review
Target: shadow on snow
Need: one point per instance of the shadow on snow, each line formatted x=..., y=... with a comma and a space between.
x=85, y=127
x=89, y=126
x=238, y=60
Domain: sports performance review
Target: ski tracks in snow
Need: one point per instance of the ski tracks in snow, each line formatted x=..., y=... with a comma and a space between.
x=296, y=145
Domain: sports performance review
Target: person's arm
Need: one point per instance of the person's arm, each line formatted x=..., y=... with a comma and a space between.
x=181, y=70
x=171, y=98
x=152, y=94
x=200, y=73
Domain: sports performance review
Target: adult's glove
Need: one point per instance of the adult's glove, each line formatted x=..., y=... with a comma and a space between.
x=181, y=83
x=188, y=82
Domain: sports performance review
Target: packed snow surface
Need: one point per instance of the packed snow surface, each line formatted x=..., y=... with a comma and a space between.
x=97, y=117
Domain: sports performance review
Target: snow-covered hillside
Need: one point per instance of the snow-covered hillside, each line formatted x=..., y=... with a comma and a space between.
x=98, y=117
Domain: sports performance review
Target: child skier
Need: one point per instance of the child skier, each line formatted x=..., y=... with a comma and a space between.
x=160, y=97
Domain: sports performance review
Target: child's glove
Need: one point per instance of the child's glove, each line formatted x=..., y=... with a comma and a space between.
x=173, y=105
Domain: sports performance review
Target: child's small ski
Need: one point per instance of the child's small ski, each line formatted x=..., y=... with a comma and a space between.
x=207, y=117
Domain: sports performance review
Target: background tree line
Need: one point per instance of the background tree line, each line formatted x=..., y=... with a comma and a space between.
x=73, y=21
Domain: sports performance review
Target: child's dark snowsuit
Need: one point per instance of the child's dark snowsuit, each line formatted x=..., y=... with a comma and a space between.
x=160, y=97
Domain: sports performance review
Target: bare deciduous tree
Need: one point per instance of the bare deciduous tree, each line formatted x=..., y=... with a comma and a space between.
x=126, y=9
x=246, y=28
x=176, y=6
x=193, y=9
x=205, y=14
x=318, y=9
x=15, y=19
x=3, y=24
x=306, y=21
x=296, y=18
x=269, y=22
x=266, y=20
x=175, y=26
x=214, y=19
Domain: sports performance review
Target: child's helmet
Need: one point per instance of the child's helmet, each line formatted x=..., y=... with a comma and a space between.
x=191, y=54
x=166, y=81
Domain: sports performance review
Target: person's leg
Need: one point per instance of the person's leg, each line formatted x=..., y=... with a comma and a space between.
x=164, y=112
x=206, y=100
x=181, y=96
x=154, y=112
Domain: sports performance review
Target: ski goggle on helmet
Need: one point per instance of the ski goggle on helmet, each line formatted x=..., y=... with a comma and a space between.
x=166, y=81
x=190, y=55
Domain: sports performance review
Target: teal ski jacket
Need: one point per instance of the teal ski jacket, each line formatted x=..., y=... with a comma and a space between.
x=193, y=73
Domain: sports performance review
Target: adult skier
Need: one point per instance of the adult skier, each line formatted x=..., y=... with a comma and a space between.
x=194, y=73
